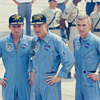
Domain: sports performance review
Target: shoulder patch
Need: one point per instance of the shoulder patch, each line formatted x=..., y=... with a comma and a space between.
x=9, y=46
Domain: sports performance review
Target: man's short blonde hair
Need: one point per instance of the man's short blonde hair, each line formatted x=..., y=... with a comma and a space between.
x=82, y=17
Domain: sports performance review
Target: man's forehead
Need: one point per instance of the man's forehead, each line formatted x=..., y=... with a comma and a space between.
x=81, y=21
x=17, y=25
x=37, y=25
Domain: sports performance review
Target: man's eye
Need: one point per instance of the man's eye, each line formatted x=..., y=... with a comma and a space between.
x=78, y=25
x=13, y=26
x=84, y=25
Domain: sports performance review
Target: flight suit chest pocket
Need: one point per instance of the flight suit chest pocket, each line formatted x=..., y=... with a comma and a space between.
x=87, y=53
x=26, y=52
x=7, y=54
x=49, y=54
x=48, y=59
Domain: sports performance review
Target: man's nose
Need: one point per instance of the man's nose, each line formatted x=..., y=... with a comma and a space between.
x=81, y=27
x=37, y=28
x=16, y=29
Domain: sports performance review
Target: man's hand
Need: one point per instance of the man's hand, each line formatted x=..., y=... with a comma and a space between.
x=31, y=2
x=17, y=2
x=30, y=81
x=65, y=2
x=93, y=76
x=2, y=82
x=31, y=78
x=53, y=79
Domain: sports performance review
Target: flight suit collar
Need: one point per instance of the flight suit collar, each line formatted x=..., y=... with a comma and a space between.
x=46, y=38
x=11, y=38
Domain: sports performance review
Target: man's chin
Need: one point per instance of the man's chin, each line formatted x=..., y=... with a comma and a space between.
x=38, y=34
x=18, y=34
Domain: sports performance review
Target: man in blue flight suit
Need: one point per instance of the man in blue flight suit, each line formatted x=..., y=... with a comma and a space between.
x=49, y=52
x=14, y=50
x=87, y=54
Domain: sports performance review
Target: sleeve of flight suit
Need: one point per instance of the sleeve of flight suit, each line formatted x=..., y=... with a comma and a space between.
x=0, y=49
x=73, y=48
x=0, y=52
x=98, y=46
x=67, y=58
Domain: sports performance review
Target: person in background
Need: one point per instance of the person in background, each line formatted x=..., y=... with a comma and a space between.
x=90, y=6
x=53, y=16
x=69, y=15
x=24, y=10
x=61, y=4
x=95, y=22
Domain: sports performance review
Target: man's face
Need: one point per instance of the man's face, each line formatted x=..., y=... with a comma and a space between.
x=53, y=3
x=98, y=5
x=16, y=29
x=83, y=27
x=40, y=30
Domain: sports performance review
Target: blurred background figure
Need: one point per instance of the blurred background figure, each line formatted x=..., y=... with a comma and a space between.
x=24, y=9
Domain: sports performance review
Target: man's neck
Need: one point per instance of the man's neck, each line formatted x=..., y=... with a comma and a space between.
x=83, y=37
x=42, y=37
x=16, y=38
x=53, y=8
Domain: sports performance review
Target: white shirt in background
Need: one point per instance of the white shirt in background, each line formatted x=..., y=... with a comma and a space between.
x=22, y=1
x=90, y=0
x=60, y=1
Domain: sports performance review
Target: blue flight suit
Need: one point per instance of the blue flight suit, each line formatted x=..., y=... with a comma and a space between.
x=48, y=54
x=87, y=55
x=16, y=63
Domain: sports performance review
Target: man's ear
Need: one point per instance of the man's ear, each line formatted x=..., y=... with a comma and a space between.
x=46, y=24
x=9, y=26
x=90, y=25
x=23, y=25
